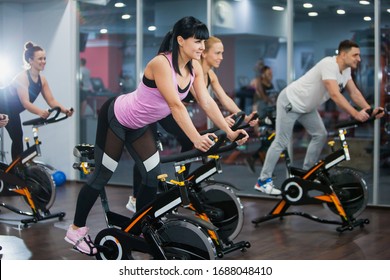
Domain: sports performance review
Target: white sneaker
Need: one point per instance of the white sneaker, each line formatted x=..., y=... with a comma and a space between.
x=131, y=205
x=267, y=186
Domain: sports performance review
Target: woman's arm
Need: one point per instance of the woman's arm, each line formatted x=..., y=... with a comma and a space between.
x=226, y=101
x=159, y=70
x=209, y=106
x=49, y=98
x=21, y=84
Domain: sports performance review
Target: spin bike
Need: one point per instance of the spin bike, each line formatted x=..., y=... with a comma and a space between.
x=24, y=177
x=212, y=201
x=162, y=237
x=340, y=189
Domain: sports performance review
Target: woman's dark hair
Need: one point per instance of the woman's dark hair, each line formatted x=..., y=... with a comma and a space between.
x=186, y=27
x=29, y=51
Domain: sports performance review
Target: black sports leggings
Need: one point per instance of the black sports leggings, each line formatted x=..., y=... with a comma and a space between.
x=15, y=131
x=111, y=137
x=170, y=126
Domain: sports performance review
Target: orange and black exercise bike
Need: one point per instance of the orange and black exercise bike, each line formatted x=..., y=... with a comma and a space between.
x=341, y=189
x=212, y=201
x=30, y=180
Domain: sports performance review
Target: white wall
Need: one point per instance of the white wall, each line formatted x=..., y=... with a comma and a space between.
x=52, y=25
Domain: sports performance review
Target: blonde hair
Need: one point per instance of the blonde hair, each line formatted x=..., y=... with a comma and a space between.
x=211, y=41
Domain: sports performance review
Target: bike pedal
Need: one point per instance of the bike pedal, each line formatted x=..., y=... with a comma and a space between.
x=84, y=151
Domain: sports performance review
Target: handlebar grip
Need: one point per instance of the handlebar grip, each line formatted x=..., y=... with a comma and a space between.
x=354, y=123
x=239, y=118
x=221, y=137
x=42, y=121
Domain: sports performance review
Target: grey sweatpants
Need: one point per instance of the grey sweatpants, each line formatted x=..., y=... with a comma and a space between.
x=285, y=121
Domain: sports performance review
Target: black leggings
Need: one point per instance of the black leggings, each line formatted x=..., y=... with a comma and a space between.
x=15, y=131
x=111, y=137
x=170, y=126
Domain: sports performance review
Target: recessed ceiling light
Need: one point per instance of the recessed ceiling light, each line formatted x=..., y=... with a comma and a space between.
x=152, y=28
x=312, y=14
x=119, y=5
x=103, y=31
x=388, y=10
x=367, y=18
x=364, y=2
x=126, y=16
x=277, y=8
x=340, y=12
x=308, y=5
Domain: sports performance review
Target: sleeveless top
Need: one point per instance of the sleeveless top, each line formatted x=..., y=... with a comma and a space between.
x=12, y=98
x=146, y=105
x=190, y=98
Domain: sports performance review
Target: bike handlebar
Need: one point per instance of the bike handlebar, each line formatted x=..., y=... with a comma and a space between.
x=41, y=121
x=238, y=117
x=355, y=123
x=221, y=137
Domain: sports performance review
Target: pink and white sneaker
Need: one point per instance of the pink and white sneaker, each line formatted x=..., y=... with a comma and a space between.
x=80, y=240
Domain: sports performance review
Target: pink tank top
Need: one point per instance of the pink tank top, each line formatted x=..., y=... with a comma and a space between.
x=145, y=105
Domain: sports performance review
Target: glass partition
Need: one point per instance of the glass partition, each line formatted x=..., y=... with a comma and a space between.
x=381, y=192
x=254, y=34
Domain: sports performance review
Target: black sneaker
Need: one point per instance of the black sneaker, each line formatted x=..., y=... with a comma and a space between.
x=250, y=163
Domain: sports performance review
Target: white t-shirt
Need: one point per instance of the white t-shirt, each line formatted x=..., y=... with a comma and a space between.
x=85, y=78
x=308, y=92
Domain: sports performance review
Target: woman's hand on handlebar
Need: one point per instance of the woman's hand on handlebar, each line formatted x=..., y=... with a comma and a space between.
x=69, y=112
x=230, y=121
x=251, y=119
x=44, y=114
x=204, y=142
x=240, y=136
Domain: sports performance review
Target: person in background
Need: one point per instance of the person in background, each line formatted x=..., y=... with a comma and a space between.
x=86, y=88
x=23, y=91
x=300, y=100
x=211, y=58
x=125, y=121
x=264, y=101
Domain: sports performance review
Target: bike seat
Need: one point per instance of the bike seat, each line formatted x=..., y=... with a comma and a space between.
x=298, y=172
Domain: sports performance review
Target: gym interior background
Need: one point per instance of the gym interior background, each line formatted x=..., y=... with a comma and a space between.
x=117, y=43
x=118, y=40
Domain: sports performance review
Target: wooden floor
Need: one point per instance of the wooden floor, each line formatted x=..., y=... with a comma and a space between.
x=294, y=238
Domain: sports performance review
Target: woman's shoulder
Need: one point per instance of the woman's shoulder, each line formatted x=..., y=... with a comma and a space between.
x=156, y=64
x=21, y=77
x=159, y=59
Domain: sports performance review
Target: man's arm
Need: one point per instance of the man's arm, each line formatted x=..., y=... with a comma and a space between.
x=334, y=93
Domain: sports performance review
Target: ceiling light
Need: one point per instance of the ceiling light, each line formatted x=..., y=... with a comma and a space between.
x=103, y=31
x=152, y=28
x=308, y=5
x=340, y=11
x=119, y=5
x=312, y=14
x=126, y=16
x=364, y=2
x=367, y=18
x=277, y=8
x=388, y=10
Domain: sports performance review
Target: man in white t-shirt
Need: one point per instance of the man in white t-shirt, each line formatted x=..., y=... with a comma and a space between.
x=299, y=102
x=86, y=88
